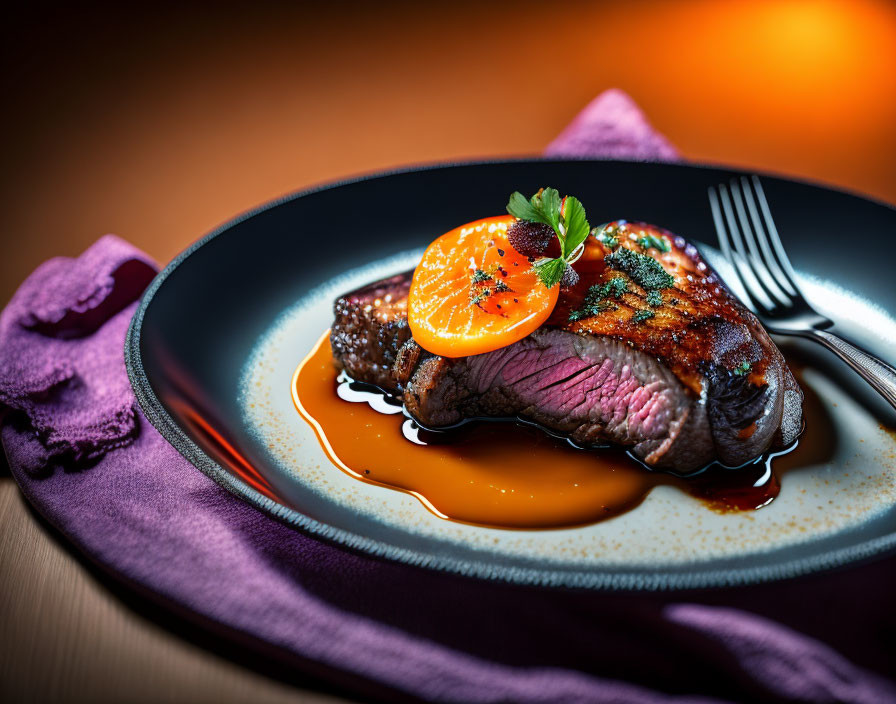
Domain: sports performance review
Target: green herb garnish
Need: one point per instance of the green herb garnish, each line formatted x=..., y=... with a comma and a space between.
x=571, y=227
x=607, y=235
x=642, y=315
x=595, y=300
x=644, y=270
x=742, y=369
x=485, y=283
x=648, y=241
x=479, y=296
x=615, y=287
x=654, y=299
x=550, y=271
x=589, y=311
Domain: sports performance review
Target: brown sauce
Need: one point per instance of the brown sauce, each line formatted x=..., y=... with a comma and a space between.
x=497, y=473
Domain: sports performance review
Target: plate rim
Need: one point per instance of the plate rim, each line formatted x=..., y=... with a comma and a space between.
x=642, y=579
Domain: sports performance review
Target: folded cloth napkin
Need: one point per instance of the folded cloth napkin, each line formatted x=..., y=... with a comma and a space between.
x=88, y=460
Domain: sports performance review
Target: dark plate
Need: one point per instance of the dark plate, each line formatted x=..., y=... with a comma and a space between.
x=201, y=318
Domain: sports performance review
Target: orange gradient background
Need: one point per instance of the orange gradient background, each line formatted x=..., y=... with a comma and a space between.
x=157, y=125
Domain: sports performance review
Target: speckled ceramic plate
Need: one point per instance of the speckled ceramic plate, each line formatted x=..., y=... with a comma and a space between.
x=213, y=346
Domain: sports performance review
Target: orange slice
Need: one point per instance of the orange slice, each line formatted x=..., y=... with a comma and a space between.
x=473, y=293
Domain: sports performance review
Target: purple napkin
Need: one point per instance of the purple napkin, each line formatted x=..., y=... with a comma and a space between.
x=89, y=461
x=611, y=126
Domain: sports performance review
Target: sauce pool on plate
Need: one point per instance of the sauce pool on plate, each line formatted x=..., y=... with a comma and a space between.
x=493, y=473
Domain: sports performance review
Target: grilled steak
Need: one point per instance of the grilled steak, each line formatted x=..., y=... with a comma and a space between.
x=682, y=374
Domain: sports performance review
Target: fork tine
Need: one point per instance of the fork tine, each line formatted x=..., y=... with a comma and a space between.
x=725, y=243
x=782, y=280
x=757, y=291
x=757, y=265
x=777, y=247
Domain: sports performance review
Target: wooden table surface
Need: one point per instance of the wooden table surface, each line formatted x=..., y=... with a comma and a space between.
x=159, y=125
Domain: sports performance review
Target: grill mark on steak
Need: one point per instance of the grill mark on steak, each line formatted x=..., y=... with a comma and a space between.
x=663, y=387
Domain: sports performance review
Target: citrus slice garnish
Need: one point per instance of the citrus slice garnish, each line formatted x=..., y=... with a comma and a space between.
x=473, y=293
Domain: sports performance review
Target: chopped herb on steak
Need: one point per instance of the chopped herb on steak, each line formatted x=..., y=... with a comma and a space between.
x=641, y=315
x=595, y=300
x=643, y=270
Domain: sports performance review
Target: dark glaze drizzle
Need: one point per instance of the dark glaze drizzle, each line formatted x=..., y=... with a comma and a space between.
x=499, y=473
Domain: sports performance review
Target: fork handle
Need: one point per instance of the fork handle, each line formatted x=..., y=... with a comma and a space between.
x=875, y=371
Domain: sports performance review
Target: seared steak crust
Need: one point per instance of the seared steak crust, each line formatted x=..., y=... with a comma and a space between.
x=371, y=326
x=699, y=380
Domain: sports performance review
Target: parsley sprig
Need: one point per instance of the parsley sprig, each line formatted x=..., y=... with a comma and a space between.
x=568, y=221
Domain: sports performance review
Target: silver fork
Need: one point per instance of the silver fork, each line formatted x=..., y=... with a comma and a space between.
x=750, y=242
